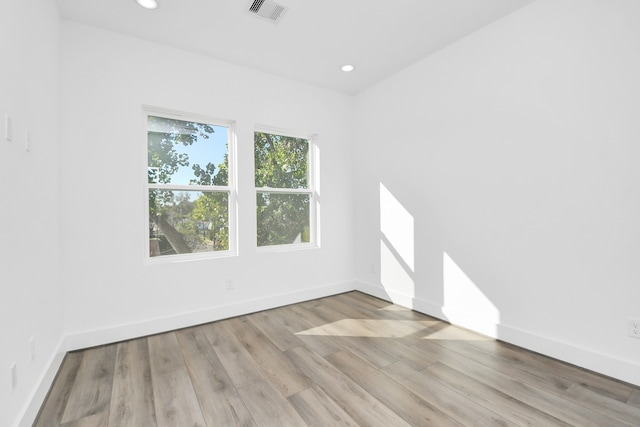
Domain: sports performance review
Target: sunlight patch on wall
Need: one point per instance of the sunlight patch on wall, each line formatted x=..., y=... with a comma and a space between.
x=393, y=274
x=396, y=224
x=464, y=303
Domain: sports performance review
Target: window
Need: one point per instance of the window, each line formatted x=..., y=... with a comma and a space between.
x=284, y=175
x=189, y=186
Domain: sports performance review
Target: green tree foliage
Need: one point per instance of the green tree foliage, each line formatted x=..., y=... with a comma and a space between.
x=180, y=224
x=281, y=162
x=212, y=209
x=194, y=221
x=163, y=136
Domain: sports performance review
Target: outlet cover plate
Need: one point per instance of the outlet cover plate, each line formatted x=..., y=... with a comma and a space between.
x=8, y=131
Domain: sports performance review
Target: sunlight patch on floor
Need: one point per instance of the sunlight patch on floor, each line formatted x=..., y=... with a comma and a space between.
x=451, y=332
x=374, y=328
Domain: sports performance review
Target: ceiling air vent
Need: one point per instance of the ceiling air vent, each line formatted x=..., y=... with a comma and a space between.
x=268, y=9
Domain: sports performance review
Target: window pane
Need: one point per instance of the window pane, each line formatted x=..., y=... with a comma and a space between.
x=281, y=161
x=187, y=222
x=283, y=218
x=186, y=152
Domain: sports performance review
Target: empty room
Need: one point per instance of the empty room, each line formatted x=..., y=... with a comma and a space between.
x=313, y=213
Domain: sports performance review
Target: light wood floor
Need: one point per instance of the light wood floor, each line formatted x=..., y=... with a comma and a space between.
x=344, y=360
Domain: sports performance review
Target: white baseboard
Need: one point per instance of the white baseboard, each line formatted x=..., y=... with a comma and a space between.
x=612, y=366
x=605, y=364
x=39, y=394
x=95, y=337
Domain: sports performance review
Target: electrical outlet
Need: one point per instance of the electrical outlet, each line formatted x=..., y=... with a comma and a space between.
x=8, y=130
x=229, y=284
x=633, y=327
x=14, y=376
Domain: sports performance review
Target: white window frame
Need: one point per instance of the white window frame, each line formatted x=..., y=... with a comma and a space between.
x=230, y=188
x=313, y=180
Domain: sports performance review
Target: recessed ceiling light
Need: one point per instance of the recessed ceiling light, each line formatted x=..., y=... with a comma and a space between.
x=347, y=68
x=148, y=4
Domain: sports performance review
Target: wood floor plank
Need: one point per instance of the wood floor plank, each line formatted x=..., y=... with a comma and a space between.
x=536, y=397
x=91, y=392
x=132, y=393
x=391, y=339
x=220, y=402
x=319, y=410
x=238, y=363
x=96, y=420
x=373, y=307
x=458, y=407
x=544, y=379
x=351, y=335
x=175, y=401
x=276, y=365
x=530, y=367
x=352, y=398
x=56, y=402
x=562, y=374
x=358, y=321
x=367, y=350
x=634, y=400
x=269, y=407
x=270, y=323
x=378, y=305
x=352, y=307
x=372, y=302
x=613, y=408
x=404, y=353
x=399, y=399
x=492, y=399
x=301, y=321
x=538, y=364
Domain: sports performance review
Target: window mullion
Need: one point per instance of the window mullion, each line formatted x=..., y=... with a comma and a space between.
x=284, y=190
x=202, y=188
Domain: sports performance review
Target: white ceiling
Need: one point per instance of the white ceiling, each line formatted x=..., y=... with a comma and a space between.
x=311, y=42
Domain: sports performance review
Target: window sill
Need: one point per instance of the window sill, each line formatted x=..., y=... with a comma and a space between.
x=199, y=256
x=287, y=248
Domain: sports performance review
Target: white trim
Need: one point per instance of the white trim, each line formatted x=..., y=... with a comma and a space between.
x=314, y=179
x=200, y=188
x=605, y=364
x=284, y=190
x=194, y=256
x=91, y=338
x=274, y=130
x=287, y=247
x=185, y=115
x=28, y=414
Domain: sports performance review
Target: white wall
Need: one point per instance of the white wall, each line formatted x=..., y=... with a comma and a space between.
x=515, y=152
x=110, y=293
x=30, y=290
x=510, y=159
